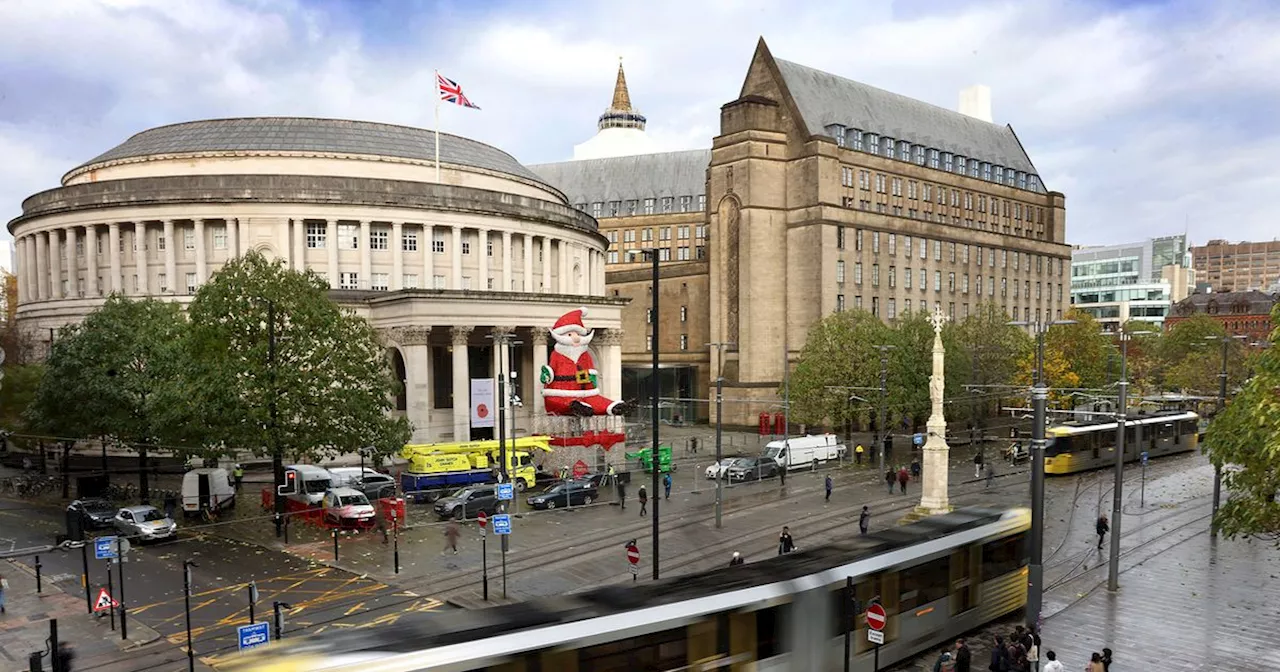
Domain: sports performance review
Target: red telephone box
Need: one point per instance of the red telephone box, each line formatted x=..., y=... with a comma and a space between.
x=764, y=424
x=779, y=424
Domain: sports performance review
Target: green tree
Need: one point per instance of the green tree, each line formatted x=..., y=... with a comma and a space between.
x=277, y=368
x=911, y=364
x=995, y=350
x=1083, y=346
x=1191, y=356
x=838, y=353
x=110, y=376
x=1244, y=440
x=1147, y=370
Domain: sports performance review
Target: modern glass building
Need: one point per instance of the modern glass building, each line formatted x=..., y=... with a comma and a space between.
x=1132, y=281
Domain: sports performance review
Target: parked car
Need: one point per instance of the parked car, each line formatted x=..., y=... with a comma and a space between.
x=753, y=469
x=467, y=502
x=95, y=513
x=721, y=468
x=146, y=523
x=347, y=507
x=565, y=493
x=376, y=486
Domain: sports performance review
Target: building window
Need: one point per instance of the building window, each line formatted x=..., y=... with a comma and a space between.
x=873, y=143
x=648, y=342
x=613, y=256
x=409, y=242
x=893, y=310
x=997, y=174
x=700, y=252
x=682, y=254
x=986, y=172
x=951, y=282
x=188, y=240
x=437, y=282
x=1004, y=258
x=937, y=250
x=646, y=235
x=633, y=206
x=857, y=273
x=947, y=162
x=974, y=170
x=348, y=237
x=857, y=240
x=1004, y=287
x=906, y=306
x=875, y=242
x=937, y=281
x=964, y=284
x=162, y=279
x=890, y=149
x=595, y=209
x=906, y=278
x=991, y=285
x=965, y=254
x=466, y=247
x=684, y=313
x=191, y=283
x=380, y=281
x=379, y=239
x=1015, y=261
x=924, y=280
x=614, y=207
x=875, y=275
x=846, y=176
x=904, y=150
x=664, y=254
x=684, y=341
x=855, y=136
x=682, y=233
x=629, y=236
x=348, y=280
x=906, y=246
x=864, y=179
x=702, y=202
x=1026, y=288
x=648, y=206
x=893, y=244
x=840, y=271
x=919, y=155
x=839, y=236
x=893, y=277
x=977, y=279
x=1022, y=180
x=839, y=303
x=875, y=306
x=437, y=242
x=219, y=238
x=410, y=281
x=686, y=203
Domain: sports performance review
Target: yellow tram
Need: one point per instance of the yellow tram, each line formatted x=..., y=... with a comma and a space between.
x=1077, y=446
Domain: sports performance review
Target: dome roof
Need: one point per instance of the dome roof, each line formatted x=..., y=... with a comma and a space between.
x=322, y=136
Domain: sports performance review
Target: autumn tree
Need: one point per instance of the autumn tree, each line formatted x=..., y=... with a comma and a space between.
x=838, y=353
x=996, y=350
x=1083, y=347
x=911, y=365
x=1191, y=355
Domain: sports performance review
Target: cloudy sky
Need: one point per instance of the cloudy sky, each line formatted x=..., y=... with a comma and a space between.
x=1150, y=116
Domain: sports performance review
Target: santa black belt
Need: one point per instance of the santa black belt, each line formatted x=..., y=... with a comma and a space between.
x=565, y=379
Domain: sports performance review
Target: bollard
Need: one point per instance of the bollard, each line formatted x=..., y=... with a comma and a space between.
x=335, y=544
x=39, y=580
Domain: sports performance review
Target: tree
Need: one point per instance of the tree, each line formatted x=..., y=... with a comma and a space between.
x=911, y=364
x=277, y=368
x=1191, y=356
x=110, y=376
x=1244, y=440
x=1083, y=347
x=1147, y=370
x=838, y=353
x=995, y=349
x=1058, y=375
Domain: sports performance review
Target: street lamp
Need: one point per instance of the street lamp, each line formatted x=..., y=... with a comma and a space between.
x=1040, y=403
x=719, y=424
x=882, y=431
x=1117, y=497
x=655, y=393
x=1222, y=403
x=186, y=600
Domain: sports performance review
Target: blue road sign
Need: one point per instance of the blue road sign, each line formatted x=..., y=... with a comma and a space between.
x=918, y=439
x=506, y=491
x=1144, y=458
x=502, y=524
x=254, y=635
x=104, y=548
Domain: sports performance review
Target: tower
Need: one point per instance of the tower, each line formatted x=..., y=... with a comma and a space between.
x=619, y=130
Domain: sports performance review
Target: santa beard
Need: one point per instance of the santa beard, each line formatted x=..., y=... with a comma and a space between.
x=564, y=345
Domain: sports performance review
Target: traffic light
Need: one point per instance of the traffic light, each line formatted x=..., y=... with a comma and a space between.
x=290, y=486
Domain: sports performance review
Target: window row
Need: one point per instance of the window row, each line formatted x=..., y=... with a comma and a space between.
x=903, y=150
x=951, y=278
x=648, y=342
x=962, y=251
x=891, y=310
x=646, y=206
x=942, y=195
x=664, y=233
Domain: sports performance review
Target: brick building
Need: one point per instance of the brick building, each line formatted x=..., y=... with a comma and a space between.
x=1245, y=314
x=1237, y=267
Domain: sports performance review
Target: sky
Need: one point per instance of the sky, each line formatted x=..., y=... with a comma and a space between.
x=1153, y=118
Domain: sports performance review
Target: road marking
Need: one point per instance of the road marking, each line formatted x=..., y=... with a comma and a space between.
x=354, y=609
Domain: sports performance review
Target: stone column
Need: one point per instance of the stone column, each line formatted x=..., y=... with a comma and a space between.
x=140, y=256
x=55, y=264
x=506, y=261
x=933, y=491
x=113, y=254
x=414, y=347
x=455, y=279
x=202, y=252
x=528, y=263
x=609, y=344
x=73, y=264
x=170, y=257
x=482, y=249
x=428, y=262
x=397, y=256
x=539, y=348
x=461, y=383
x=566, y=286
x=42, y=265
x=20, y=266
x=546, y=264
x=91, y=239
x=331, y=244
x=366, y=254
x=299, y=244
x=233, y=237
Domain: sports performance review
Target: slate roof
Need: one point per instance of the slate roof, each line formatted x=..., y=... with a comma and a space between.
x=302, y=134
x=825, y=99
x=625, y=178
x=1252, y=302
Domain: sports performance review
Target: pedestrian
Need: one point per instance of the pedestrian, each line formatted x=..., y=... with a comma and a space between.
x=66, y=656
x=1102, y=527
x=915, y=468
x=170, y=504
x=644, y=499
x=622, y=495
x=999, y=656
x=1106, y=660
x=611, y=475
x=785, y=543
x=857, y=453
x=4, y=587
x=991, y=475
x=451, y=538
x=238, y=474
x=1033, y=653
x=964, y=659
x=736, y=559
x=944, y=663
x=666, y=484
x=1054, y=665
x=381, y=522
x=1095, y=664
x=889, y=479
x=903, y=477
x=828, y=486
x=864, y=519
x=1017, y=656
x=977, y=464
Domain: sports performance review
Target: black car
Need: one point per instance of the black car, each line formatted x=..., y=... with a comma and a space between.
x=565, y=493
x=95, y=513
x=467, y=502
x=376, y=486
x=753, y=469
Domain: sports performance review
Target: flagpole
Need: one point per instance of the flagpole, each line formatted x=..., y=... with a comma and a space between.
x=437, y=126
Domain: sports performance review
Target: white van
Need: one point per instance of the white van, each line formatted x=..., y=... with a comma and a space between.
x=805, y=451
x=350, y=477
x=311, y=482
x=207, y=488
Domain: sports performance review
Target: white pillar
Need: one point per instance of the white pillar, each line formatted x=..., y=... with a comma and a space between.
x=546, y=264
x=366, y=254
x=331, y=243
x=202, y=256
x=566, y=286
x=455, y=281
x=414, y=347
x=461, y=384
x=42, y=265
x=55, y=264
x=233, y=238
x=528, y=263
x=539, y=339
x=91, y=239
x=113, y=254
x=73, y=264
x=397, y=256
x=506, y=261
x=140, y=256
x=428, y=260
x=611, y=371
x=482, y=249
x=170, y=257
x=299, y=244
x=20, y=266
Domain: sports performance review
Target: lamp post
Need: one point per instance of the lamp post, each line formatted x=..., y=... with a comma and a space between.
x=1117, y=496
x=186, y=601
x=1222, y=403
x=655, y=392
x=719, y=426
x=882, y=431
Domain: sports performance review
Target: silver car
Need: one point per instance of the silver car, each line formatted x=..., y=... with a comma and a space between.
x=146, y=523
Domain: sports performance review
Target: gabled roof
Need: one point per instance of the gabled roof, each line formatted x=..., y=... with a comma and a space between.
x=1252, y=302
x=825, y=99
x=625, y=178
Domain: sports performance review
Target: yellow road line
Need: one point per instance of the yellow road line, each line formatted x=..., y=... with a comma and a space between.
x=354, y=609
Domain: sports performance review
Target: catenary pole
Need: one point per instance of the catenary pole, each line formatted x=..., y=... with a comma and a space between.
x=1222, y=404
x=1035, y=569
x=655, y=392
x=1117, y=497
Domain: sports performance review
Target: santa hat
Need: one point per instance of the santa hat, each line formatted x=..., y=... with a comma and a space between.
x=571, y=322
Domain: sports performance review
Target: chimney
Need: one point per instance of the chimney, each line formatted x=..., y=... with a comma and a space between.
x=975, y=101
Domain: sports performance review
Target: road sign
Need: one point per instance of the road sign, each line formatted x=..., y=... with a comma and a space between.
x=253, y=635
x=918, y=439
x=482, y=519
x=633, y=555
x=1144, y=458
x=580, y=469
x=104, y=601
x=104, y=548
x=875, y=636
x=506, y=491
x=876, y=617
x=502, y=524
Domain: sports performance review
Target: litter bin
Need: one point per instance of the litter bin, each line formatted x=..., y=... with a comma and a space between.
x=35, y=662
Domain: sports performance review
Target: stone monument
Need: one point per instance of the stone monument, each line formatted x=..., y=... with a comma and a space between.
x=933, y=492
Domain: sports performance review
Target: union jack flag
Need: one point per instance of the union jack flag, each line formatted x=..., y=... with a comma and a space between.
x=451, y=92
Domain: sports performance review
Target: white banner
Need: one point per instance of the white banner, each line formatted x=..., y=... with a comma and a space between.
x=483, y=408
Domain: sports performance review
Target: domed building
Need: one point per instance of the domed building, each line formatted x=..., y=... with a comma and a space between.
x=444, y=259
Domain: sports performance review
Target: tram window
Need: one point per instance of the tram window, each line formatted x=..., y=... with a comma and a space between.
x=769, y=623
x=1057, y=446
x=657, y=651
x=1003, y=556
x=923, y=584
x=1131, y=436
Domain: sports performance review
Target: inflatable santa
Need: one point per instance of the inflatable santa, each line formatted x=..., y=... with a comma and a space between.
x=570, y=379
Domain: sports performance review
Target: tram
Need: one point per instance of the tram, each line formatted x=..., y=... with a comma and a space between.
x=1077, y=446
x=936, y=579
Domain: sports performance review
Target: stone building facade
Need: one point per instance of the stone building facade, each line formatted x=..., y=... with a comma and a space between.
x=1237, y=267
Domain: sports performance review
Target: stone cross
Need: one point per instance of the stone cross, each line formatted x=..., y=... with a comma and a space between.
x=937, y=319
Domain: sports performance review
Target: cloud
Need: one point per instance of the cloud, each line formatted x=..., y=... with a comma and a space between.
x=1149, y=116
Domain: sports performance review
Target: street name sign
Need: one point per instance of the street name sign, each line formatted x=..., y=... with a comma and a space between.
x=253, y=635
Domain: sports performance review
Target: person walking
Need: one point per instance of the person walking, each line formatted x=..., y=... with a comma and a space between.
x=666, y=484
x=1102, y=527
x=999, y=656
x=4, y=586
x=611, y=475
x=915, y=468
x=1054, y=665
x=238, y=474
x=991, y=475
x=1095, y=663
x=170, y=504
x=736, y=559
x=903, y=477
x=964, y=658
x=1106, y=660
x=66, y=656
x=857, y=453
x=1033, y=653
x=622, y=495
x=977, y=464
x=828, y=485
x=451, y=538
x=644, y=499
x=864, y=520
x=785, y=543
x=944, y=662
x=889, y=479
